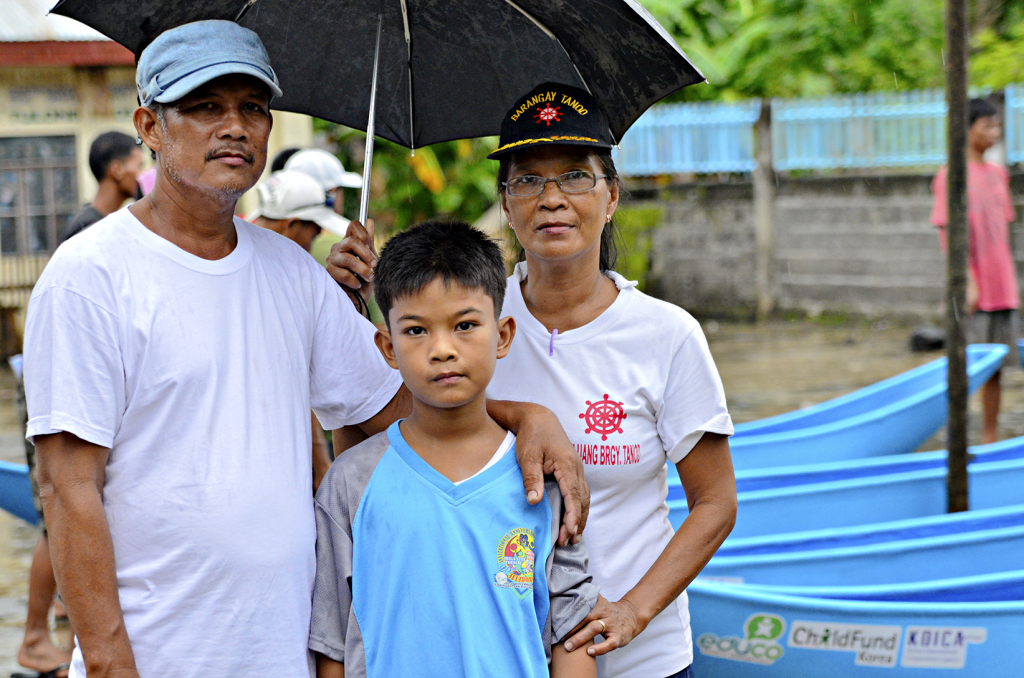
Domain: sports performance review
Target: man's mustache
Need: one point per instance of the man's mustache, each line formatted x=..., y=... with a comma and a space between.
x=246, y=155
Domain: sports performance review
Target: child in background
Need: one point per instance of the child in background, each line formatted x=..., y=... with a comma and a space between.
x=992, y=296
x=426, y=546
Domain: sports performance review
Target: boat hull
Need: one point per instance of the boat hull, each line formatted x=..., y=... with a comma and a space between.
x=16, y=492
x=970, y=544
x=739, y=633
x=894, y=416
x=863, y=500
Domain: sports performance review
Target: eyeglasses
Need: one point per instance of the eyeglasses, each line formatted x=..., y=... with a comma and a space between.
x=529, y=185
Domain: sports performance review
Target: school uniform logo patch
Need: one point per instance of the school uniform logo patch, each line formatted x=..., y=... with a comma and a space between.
x=515, y=558
x=604, y=417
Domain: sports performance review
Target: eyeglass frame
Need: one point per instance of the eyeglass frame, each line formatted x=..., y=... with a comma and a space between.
x=557, y=183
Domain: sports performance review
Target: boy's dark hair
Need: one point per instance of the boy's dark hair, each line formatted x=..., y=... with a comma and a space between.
x=107, y=148
x=277, y=164
x=609, y=249
x=453, y=250
x=980, y=108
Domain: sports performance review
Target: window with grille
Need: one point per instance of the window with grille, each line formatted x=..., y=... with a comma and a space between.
x=38, y=192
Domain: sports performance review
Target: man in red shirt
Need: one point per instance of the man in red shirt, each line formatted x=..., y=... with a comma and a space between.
x=992, y=296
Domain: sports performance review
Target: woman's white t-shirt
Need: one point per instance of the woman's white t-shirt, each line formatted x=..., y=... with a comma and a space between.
x=634, y=389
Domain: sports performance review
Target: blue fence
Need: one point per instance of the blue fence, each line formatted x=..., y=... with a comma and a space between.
x=1014, y=122
x=702, y=138
x=888, y=129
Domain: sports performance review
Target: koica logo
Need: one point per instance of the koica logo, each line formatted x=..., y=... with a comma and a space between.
x=759, y=646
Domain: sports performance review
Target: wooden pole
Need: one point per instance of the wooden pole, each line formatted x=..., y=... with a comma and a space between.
x=956, y=266
x=764, y=213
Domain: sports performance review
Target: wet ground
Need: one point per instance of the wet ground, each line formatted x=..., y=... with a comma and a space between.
x=766, y=369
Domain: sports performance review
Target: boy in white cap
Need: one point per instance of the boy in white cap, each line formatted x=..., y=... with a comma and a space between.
x=294, y=205
x=169, y=378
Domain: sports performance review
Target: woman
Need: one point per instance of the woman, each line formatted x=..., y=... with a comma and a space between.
x=630, y=378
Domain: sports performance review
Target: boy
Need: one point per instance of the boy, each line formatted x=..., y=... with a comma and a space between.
x=992, y=296
x=425, y=545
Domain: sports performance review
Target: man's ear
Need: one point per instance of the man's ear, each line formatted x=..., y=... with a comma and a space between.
x=387, y=349
x=506, y=332
x=148, y=127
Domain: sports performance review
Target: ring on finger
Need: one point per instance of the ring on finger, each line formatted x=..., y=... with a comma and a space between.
x=604, y=627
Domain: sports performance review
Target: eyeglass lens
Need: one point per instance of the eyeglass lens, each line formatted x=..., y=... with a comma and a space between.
x=577, y=181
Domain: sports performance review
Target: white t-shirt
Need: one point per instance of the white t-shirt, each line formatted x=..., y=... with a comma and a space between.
x=199, y=376
x=634, y=388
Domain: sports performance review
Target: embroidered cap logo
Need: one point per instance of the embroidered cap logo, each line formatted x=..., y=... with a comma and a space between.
x=547, y=114
x=604, y=417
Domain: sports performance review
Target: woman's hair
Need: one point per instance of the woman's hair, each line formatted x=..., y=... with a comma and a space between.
x=609, y=250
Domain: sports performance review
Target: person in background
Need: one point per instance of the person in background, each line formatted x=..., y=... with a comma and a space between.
x=293, y=205
x=37, y=651
x=992, y=296
x=116, y=161
x=328, y=170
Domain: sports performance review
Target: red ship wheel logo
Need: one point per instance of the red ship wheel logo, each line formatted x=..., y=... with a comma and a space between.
x=604, y=417
x=547, y=114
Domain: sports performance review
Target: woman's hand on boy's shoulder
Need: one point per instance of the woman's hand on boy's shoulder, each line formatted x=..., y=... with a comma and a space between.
x=542, y=448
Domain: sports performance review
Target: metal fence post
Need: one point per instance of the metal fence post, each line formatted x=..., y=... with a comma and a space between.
x=764, y=212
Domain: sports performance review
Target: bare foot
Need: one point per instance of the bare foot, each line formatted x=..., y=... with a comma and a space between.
x=40, y=654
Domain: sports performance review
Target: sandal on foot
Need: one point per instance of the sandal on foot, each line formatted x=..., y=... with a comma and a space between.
x=52, y=673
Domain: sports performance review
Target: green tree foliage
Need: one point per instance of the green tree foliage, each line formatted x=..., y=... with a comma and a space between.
x=811, y=48
x=448, y=180
x=806, y=48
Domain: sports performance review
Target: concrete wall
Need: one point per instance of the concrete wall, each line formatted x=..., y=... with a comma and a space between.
x=850, y=244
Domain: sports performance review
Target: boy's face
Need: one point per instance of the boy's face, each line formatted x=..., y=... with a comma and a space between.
x=445, y=341
x=984, y=133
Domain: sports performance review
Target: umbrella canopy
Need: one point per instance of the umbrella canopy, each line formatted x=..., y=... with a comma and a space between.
x=448, y=69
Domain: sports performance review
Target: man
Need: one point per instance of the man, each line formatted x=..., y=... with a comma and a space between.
x=173, y=459
x=328, y=170
x=992, y=296
x=115, y=160
x=294, y=205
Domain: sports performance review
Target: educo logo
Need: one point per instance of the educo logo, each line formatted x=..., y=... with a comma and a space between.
x=758, y=646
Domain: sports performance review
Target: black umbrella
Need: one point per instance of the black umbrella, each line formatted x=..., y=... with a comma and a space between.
x=447, y=69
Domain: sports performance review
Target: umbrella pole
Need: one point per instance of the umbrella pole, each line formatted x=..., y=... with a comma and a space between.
x=364, y=199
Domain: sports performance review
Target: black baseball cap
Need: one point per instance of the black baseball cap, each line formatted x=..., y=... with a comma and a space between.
x=553, y=114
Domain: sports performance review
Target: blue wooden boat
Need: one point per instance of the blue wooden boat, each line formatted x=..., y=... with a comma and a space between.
x=804, y=474
x=965, y=544
x=867, y=499
x=16, y=492
x=975, y=589
x=741, y=631
x=893, y=416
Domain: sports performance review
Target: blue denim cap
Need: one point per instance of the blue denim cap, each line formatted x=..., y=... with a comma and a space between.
x=186, y=57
